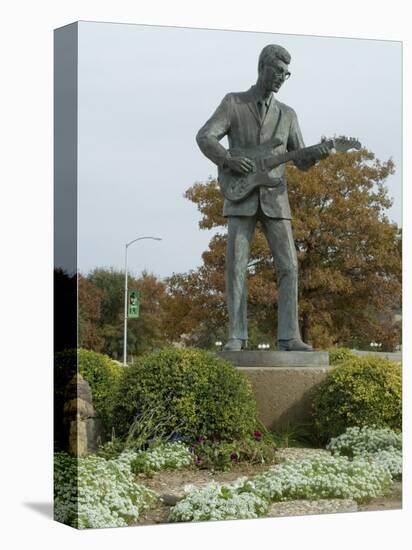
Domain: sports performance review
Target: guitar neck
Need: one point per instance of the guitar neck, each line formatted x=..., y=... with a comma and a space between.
x=299, y=154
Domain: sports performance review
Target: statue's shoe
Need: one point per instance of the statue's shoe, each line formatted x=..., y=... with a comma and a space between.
x=234, y=344
x=293, y=345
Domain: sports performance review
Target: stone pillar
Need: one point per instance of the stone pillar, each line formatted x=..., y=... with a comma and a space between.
x=80, y=418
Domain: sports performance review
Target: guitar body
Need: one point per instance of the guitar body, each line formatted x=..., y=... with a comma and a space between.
x=237, y=188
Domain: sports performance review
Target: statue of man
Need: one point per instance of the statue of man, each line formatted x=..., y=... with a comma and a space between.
x=249, y=119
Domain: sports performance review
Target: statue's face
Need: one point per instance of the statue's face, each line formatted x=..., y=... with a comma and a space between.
x=273, y=75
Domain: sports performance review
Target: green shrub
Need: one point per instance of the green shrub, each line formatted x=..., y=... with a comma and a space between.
x=187, y=391
x=101, y=373
x=223, y=455
x=296, y=435
x=340, y=355
x=150, y=425
x=364, y=391
x=111, y=449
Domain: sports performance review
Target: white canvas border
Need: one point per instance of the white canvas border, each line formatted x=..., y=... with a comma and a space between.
x=27, y=260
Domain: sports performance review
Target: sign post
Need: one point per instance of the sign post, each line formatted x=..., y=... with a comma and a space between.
x=133, y=309
x=127, y=298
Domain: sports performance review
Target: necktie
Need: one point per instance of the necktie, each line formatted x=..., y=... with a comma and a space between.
x=262, y=109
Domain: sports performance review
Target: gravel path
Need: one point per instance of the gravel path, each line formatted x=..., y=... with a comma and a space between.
x=310, y=507
x=390, y=502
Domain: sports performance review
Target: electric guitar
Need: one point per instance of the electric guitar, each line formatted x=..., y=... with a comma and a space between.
x=264, y=157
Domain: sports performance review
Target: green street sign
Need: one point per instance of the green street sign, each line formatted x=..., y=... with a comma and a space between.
x=133, y=304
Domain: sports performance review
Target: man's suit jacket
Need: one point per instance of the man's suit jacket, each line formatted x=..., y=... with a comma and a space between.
x=237, y=117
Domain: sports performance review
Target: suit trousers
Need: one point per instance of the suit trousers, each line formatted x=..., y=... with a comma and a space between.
x=278, y=233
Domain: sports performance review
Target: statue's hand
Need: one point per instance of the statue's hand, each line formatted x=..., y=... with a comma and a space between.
x=323, y=151
x=239, y=165
x=315, y=154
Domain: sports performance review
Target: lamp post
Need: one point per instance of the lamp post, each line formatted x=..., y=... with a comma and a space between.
x=125, y=293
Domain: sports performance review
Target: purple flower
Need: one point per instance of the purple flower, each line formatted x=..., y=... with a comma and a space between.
x=257, y=436
x=198, y=461
x=234, y=457
x=176, y=437
x=200, y=440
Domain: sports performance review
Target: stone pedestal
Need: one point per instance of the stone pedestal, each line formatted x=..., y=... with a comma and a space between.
x=284, y=383
x=276, y=358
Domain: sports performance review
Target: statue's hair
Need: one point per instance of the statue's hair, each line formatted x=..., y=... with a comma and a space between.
x=271, y=53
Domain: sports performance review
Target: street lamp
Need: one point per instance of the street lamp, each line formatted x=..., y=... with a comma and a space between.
x=125, y=293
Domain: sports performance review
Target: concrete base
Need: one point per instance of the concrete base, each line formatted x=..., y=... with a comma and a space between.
x=283, y=382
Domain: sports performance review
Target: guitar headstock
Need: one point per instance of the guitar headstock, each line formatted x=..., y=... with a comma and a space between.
x=343, y=143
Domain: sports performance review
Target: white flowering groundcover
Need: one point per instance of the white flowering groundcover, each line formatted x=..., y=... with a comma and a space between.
x=166, y=455
x=215, y=502
x=381, y=445
x=93, y=492
x=376, y=460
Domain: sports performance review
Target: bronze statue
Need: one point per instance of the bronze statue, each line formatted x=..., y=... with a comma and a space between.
x=263, y=134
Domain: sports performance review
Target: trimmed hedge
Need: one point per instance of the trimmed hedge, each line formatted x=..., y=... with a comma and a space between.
x=188, y=391
x=340, y=355
x=362, y=391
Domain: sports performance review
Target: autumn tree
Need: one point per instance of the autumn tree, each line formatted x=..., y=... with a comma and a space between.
x=89, y=299
x=147, y=331
x=110, y=284
x=348, y=252
x=194, y=308
x=106, y=318
x=350, y=280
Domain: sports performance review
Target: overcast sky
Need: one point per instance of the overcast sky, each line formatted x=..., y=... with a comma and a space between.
x=145, y=91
